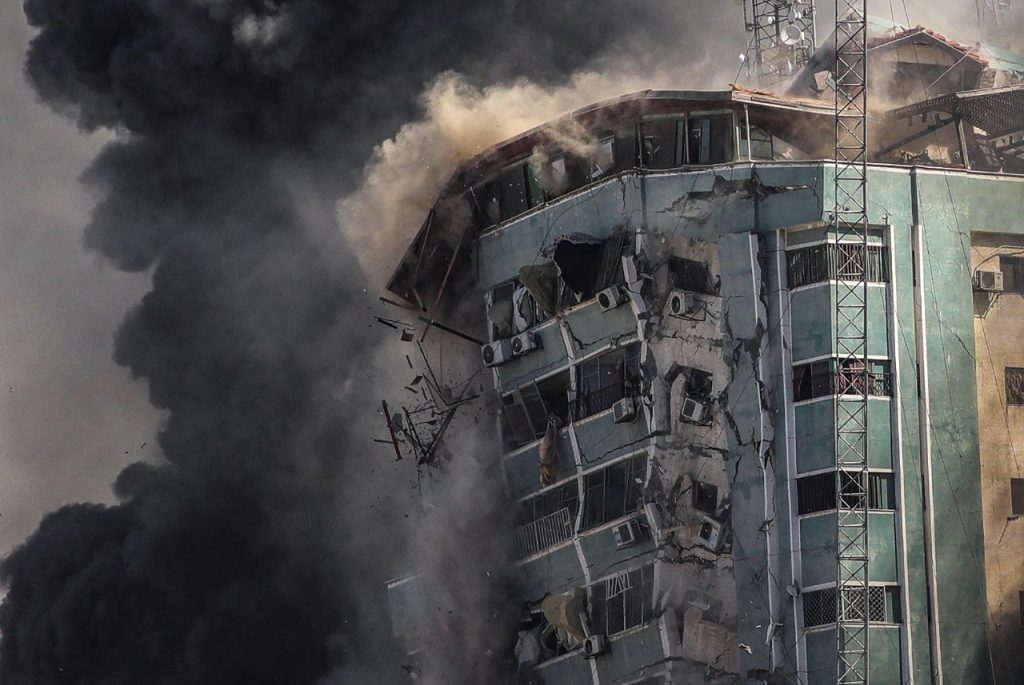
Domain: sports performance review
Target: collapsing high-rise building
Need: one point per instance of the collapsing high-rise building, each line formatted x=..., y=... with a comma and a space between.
x=655, y=280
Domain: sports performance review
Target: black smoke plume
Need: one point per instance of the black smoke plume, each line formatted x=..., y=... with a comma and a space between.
x=236, y=124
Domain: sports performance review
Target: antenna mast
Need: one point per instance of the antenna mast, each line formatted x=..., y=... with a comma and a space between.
x=853, y=378
x=784, y=37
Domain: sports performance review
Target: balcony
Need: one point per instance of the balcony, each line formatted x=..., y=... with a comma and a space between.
x=541, y=534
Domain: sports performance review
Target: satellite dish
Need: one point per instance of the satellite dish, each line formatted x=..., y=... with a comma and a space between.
x=791, y=34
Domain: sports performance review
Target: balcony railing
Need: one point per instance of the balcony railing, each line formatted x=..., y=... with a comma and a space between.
x=543, y=533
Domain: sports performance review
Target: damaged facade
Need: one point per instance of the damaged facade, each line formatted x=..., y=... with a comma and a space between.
x=654, y=278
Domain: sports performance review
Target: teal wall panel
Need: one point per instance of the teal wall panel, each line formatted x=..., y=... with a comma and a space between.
x=882, y=548
x=818, y=549
x=558, y=571
x=815, y=436
x=600, y=439
x=549, y=357
x=591, y=328
x=821, y=657
x=885, y=656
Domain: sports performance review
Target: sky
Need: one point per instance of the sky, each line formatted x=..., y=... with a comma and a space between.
x=247, y=273
x=70, y=418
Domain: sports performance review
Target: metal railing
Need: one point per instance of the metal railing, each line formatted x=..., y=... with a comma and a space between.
x=545, y=532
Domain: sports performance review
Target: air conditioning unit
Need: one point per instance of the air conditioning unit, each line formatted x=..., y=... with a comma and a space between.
x=624, y=410
x=594, y=646
x=497, y=352
x=610, y=298
x=524, y=343
x=626, y=534
x=694, y=410
x=683, y=304
x=710, y=534
x=988, y=281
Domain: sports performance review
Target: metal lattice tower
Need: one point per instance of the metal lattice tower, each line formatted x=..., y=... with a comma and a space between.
x=853, y=378
x=784, y=37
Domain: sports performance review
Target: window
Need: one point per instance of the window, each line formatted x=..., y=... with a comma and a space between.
x=818, y=492
x=614, y=491
x=691, y=275
x=606, y=379
x=709, y=139
x=819, y=263
x=512, y=309
x=1017, y=496
x=526, y=410
x=705, y=497
x=1013, y=273
x=846, y=377
x=884, y=606
x=515, y=190
x=603, y=161
x=659, y=143
x=1014, y=385
x=622, y=602
x=760, y=144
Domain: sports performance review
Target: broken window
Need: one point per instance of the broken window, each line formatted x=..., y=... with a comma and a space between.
x=622, y=602
x=690, y=275
x=845, y=261
x=588, y=265
x=845, y=377
x=526, y=410
x=1017, y=496
x=603, y=161
x=512, y=309
x=705, y=497
x=1014, y=385
x=1013, y=273
x=817, y=493
x=709, y=139
x=759, y=147
x=659, y=143
x=604, y=380
x=614, y=491
x=545, y=520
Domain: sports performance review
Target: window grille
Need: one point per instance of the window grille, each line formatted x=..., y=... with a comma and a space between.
x=1014, y=385
x=820, y=606
x=816, y=493
x=842, y=261
x=622, y=602
x=614, y=491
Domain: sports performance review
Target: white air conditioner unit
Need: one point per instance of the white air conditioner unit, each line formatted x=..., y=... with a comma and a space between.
x=610, y=298
x=594, y=646
x=710, y=534
x=988, y=281
x=683, y=304
x=497, y=352
x=624, y=410
x=524, y=343
x=694, y=410
x=626, y=533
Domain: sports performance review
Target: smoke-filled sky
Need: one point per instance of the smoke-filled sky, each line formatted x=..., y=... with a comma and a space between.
x=182, y=297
